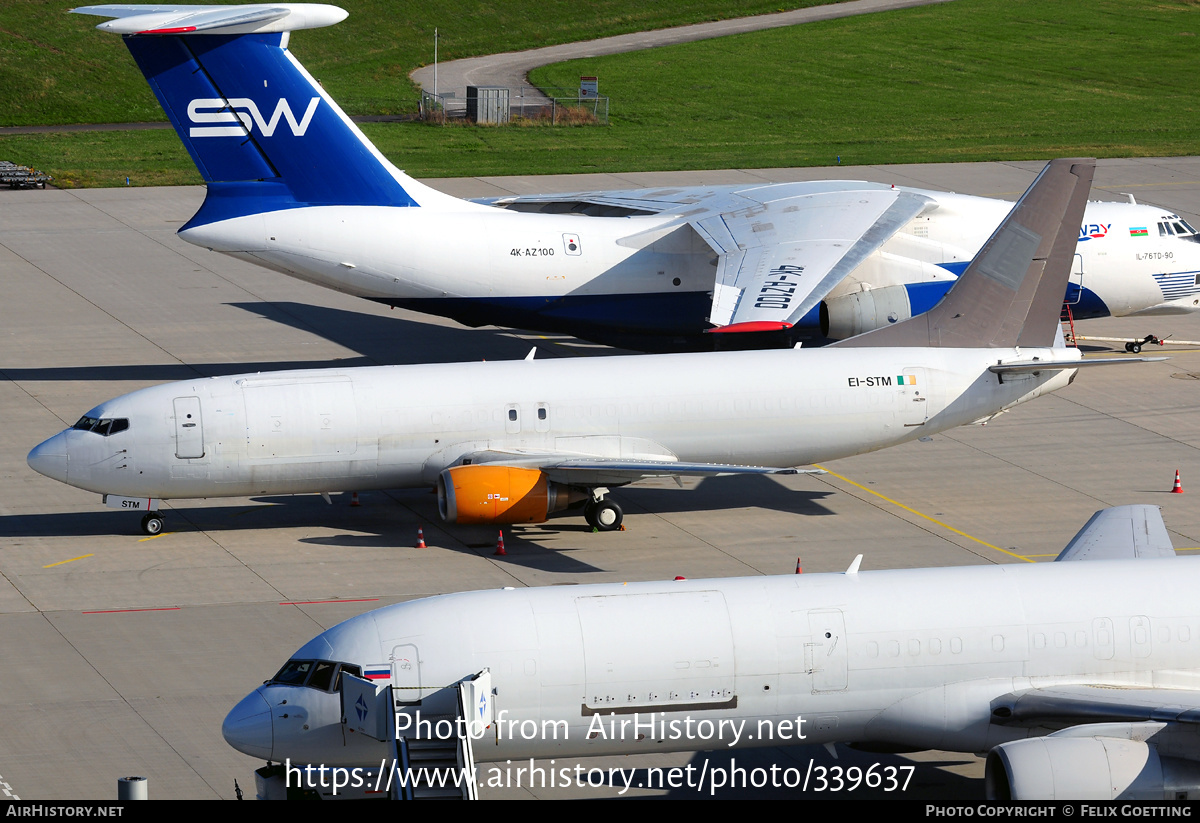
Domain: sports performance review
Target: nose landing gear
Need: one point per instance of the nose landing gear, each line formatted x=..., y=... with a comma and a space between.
x=152, y=523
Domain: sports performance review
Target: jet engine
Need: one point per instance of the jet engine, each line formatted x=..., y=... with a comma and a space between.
x=501, y=494
x=1087, y=768
x=864, y=311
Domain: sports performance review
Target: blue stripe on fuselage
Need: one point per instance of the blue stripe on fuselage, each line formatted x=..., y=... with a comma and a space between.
x=665, y=321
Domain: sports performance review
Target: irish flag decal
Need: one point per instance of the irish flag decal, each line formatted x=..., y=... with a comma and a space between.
x=906, y=379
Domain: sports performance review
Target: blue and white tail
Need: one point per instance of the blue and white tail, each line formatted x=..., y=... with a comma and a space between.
x=264, y=134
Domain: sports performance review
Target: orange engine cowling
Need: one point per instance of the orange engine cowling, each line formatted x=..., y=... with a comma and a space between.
x=500, y=494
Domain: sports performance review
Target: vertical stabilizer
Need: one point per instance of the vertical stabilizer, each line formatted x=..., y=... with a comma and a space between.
x=262, y=132
x=1011, y=294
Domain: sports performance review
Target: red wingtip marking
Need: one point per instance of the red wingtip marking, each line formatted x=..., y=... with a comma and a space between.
x=180, y=30
x=753, y=325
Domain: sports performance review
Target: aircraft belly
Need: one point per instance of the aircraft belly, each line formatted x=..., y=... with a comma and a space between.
x=660, y=314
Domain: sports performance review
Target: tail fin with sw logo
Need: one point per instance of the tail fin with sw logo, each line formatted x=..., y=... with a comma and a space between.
x=262, y=132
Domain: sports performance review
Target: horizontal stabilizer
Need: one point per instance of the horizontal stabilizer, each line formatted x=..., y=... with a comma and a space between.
x=252, y=19
x=1034, y=366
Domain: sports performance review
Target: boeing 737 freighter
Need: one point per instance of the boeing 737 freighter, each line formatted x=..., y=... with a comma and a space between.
x=1080, y=678
x=293, y=185
x=515, y=442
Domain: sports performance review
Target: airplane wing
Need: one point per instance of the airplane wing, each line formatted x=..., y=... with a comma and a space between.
x=1073, y=705
x=781, y=248
x=1121, y=533
x=779, y=258
x=590, y=470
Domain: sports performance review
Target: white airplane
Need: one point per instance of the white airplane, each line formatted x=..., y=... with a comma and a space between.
x=1078, y=677
x=515, y=442
x=293, y=185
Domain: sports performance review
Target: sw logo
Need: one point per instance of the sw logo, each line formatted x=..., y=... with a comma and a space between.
x=243, y=110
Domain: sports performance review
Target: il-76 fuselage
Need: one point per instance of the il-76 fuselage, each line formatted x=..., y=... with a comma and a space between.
x=401, y=426
x=632, y=280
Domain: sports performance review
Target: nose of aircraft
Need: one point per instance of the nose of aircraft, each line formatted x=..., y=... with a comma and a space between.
x=50, y=458
x=248, y=727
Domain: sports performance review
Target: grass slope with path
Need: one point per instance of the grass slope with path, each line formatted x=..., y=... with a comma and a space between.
x=968, y=80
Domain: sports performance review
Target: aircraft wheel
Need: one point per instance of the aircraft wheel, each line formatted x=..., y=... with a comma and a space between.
x=1129, y=347
x=152, y=523
x=606, y=516
x=1136, y=348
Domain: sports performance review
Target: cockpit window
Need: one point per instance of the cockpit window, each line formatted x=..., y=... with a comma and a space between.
x=322, y=675
x=1175, y=227
x=293, y=673
x=102, y=426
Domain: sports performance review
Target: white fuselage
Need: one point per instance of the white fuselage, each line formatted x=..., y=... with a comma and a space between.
x=400, y=426
x=909, y=659
x=579, y=274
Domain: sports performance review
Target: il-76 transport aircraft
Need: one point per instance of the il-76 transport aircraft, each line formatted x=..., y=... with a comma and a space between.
x=1080, y=678
x=514, y=442
x=293, y=185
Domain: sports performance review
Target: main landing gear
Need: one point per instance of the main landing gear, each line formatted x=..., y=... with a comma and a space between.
x=152, y=523
x=603, y=515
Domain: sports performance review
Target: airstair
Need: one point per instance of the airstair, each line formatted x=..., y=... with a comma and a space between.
x=431, y=737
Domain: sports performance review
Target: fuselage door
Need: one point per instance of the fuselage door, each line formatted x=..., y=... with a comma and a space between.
x=189, y=432
x=825, y=655
x=406, y=674
x=913, y=391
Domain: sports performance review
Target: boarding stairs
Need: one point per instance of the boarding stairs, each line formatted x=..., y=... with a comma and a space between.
x=431, y=738
x=429, y=730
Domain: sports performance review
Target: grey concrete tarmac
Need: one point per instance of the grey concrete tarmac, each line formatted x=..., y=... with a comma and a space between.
x=121, y=654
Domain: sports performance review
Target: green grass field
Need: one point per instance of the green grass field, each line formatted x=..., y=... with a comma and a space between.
x=55, y=68
x=968, y=80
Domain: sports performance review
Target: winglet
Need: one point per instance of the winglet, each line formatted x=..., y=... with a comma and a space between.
x=1011, y=294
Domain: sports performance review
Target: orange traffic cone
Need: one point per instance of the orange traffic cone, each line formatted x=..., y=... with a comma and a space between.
x=1178, y=486
x=798, y=569
x=420, y=538
x=354, y=499
x=500, y=552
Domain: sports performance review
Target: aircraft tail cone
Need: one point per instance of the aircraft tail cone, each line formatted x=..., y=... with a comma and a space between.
x=354, y=500
x=1178, y=488
x=500, y=552
x=798, y=569
x=420, y=538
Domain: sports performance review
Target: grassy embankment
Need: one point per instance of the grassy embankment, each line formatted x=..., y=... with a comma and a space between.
x=969, y=80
